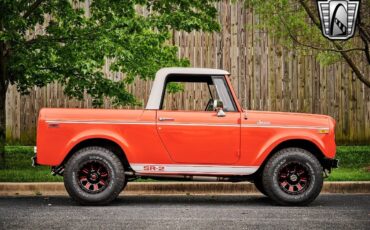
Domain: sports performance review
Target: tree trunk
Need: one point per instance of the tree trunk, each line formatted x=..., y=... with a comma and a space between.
x=2, y=123
x=3, y=88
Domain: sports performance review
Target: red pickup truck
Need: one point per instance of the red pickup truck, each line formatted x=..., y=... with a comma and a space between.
x=98, y=151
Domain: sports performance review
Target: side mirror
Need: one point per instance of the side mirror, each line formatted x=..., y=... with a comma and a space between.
x=245, y=114
x=219, y=108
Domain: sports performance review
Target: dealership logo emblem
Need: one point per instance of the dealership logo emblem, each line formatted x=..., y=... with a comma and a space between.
x=338, y=18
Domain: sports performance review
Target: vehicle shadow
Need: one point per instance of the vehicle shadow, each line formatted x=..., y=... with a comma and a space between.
x=141, y=200
x=207, y=200
x=168, y=200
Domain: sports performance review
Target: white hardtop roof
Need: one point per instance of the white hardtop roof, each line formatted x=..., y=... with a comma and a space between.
x=160, y=77
x=162, y=73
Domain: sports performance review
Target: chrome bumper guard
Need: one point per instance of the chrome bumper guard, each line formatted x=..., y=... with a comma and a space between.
x=34, y=158
x=331, y=163
x=34, y=161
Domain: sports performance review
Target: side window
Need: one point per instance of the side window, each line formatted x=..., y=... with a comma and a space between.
x=196, y=93
x=189, y=96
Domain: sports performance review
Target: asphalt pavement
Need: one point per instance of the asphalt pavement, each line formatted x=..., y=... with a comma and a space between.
x=185, y=212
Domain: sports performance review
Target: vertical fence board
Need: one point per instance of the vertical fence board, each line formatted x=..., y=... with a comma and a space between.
x=265, y=76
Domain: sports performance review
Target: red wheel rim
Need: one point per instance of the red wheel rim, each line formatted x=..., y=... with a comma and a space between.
x=93, y=177
x=294, y=178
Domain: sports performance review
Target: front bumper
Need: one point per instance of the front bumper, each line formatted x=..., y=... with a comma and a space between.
x=330, y=163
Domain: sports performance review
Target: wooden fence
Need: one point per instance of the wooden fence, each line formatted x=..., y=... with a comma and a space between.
x=265, y=77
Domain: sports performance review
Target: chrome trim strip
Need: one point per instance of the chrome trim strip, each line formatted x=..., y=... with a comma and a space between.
x=198, y=124
x=101, y=122
x=285, y=127
x=185, y=124
x=140, y=123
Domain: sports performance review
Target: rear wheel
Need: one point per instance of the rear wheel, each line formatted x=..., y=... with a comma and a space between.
x=293, y=176
x=94, y=176
x=258, y=183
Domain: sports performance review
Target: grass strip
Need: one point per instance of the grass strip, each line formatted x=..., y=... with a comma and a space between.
x=354, y=165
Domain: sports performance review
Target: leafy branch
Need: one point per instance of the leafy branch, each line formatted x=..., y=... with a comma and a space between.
x=295, y=24
x=32, y=8
x=346, y=57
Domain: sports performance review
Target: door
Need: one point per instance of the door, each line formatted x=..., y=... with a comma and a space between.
x=200, y=137
x=194, y=135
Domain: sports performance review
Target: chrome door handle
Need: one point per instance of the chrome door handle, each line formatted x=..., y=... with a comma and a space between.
x=166, y=119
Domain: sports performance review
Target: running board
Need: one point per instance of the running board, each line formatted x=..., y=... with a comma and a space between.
x=190, y=178
x=193, y=169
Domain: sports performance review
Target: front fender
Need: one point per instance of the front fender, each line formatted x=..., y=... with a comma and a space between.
x=265, y=146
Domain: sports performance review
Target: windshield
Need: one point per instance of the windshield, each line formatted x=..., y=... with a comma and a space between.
x=223, y=92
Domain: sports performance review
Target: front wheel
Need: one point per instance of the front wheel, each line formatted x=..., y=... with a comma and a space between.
x=94, y=176
x=293, y=176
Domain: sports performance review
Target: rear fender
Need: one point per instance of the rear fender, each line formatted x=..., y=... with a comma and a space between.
x=95, y=134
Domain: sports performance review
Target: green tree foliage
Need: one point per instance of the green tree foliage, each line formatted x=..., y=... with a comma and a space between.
x=296, y=25
x=44, y=41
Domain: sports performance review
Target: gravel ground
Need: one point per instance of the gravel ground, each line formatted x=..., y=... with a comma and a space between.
x=185, y=212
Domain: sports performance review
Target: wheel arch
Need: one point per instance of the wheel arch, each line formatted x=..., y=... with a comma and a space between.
x=295, y=143
x=100, y=142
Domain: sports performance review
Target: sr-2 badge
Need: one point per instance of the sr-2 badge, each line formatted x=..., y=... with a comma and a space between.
x=338, y=18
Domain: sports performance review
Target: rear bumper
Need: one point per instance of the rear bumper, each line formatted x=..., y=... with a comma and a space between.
x=34, y=161
x=34, y=158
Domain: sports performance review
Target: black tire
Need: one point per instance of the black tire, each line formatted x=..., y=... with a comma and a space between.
x=124, y=185
x=293, y=176
x=94, y=176
x=258, y=183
